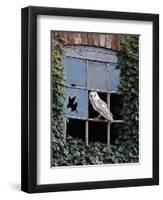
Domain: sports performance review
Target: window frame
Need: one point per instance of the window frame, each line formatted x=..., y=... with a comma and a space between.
x=92, y=54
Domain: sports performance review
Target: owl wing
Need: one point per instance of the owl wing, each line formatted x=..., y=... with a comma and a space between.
x=104, y=110
x=102, y=104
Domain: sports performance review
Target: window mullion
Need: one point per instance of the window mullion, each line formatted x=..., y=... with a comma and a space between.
x=86, y=123
x=108, y=103
x=86, y=133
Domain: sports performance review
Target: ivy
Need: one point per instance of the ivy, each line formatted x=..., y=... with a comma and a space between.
x=58, y=98
x=128, y=62
x=74, y=151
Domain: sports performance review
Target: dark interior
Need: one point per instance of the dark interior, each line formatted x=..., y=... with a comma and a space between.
x=98, y=132
x=116, y=103
x=76, y=128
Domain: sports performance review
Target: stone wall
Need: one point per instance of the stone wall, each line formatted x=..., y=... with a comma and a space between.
x=109, y=41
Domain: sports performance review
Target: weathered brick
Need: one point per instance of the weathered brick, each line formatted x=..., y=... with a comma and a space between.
x=90, y=39
x=69, y=38
x=102, y=40
x=73, y=38
x=77, y=38
x=108, y=41
x=84, y=39
x=96, y=39
x=114, y=42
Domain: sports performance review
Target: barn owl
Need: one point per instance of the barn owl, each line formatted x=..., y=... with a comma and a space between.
x=100, y=106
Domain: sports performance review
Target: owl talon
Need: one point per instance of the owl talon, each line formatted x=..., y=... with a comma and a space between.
x=67, y=120
x=98, y=117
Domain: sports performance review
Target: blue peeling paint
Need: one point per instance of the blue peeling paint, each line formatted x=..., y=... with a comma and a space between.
x=75, y=71
x=82, y=101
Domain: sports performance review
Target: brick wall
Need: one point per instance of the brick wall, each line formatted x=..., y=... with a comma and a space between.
x=109, y=41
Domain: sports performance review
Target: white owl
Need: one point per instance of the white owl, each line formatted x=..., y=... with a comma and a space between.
x=100, y=106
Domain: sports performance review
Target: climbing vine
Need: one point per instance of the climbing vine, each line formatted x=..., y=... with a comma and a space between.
x=74, y=151
x=57, y=98
x=128, y=63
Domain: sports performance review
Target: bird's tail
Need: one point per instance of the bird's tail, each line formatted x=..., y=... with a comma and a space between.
x=110, y=117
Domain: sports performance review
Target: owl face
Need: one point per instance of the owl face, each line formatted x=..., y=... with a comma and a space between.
x=93, y=96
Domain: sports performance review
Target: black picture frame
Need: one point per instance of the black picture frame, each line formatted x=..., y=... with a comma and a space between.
x=29, y=99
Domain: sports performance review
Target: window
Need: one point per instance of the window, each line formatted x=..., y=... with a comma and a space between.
x=91, y=69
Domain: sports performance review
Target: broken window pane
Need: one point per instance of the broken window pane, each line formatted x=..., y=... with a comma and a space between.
x=116, y=105
x=73, y=127
x=77, y=102
x=97, y=132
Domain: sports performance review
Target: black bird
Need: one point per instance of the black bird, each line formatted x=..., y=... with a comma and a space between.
x=71, y=104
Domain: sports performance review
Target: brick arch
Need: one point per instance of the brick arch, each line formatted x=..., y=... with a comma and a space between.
x=108, y=41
